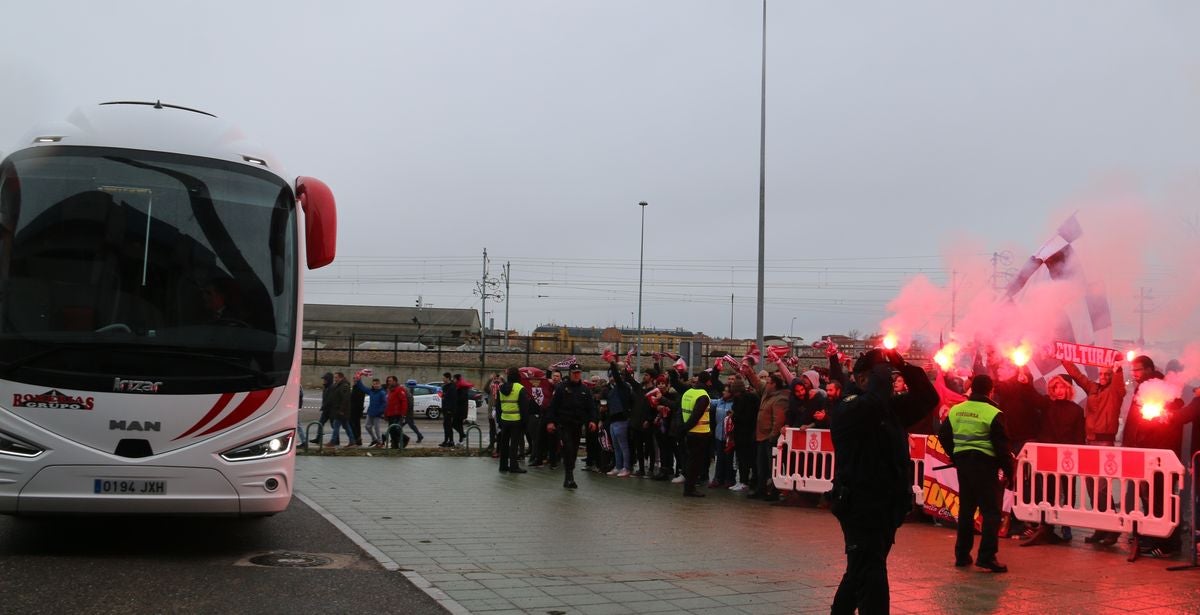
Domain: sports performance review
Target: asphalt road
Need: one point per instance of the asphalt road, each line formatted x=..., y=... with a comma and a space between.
x=193, y=565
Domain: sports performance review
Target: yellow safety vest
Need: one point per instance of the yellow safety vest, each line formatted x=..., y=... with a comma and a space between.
x=510, y=409
x=971, y=422
x=689, y=403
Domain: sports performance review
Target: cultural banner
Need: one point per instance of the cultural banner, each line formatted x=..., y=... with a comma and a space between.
x=1087, y=355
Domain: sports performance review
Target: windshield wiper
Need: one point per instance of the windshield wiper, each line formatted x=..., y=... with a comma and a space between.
x=258, y=374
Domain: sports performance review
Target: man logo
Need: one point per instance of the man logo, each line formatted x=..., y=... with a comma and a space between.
x=135, y=425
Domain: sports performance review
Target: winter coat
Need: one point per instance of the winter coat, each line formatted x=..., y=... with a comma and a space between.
x=1062, y=423
x=872, y=483
x=377, y=399
x=1102, y=410
x=397, y=402
x=771, y=413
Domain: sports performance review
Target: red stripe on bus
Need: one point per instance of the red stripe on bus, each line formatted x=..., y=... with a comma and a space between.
x=252, y=402
x=210, y=415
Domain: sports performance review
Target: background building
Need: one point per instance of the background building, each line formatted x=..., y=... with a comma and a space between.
x=426, y=325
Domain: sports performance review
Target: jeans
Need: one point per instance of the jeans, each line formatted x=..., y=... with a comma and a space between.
x=408, y=420
x=724, y=473
x=762, y=467
x=339, y=424
x=744, y=450
x=300, y=433
x=373, y=428
x=620, y=443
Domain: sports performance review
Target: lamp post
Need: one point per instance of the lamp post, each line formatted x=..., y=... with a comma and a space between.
x=792, y=327
x=641, y=257
x=762, y=178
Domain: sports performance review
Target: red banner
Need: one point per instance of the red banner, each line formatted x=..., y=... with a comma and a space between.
x=1087, y=355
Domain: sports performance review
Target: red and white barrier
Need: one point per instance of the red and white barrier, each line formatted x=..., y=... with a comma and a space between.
x=1142, y=485
x=803, y=461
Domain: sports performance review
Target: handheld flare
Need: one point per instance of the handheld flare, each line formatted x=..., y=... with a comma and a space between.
x=945, y=357
x=889, y=341
x=1020, y=355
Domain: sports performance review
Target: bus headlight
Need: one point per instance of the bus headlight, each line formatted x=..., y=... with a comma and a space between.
x=271, y=446
x=16, y=447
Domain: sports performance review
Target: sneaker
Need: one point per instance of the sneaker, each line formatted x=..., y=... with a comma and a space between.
x=419, y=438
x=963, y=562
x=640, y=473
x=623, y=474
x=712, y=484
x=738, y=487
x=677, y=480
x=613, y=472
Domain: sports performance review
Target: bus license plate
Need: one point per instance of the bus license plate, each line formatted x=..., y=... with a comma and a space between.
x=105, y=486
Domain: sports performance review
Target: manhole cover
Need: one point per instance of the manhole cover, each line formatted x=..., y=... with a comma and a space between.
x=290, y=560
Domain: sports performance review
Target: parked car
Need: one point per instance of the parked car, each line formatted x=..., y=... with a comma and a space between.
x=476, y=394
x=424, y=399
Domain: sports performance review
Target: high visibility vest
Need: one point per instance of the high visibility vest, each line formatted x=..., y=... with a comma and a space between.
x=971, y=422
x=689, y=403
x=510, y=409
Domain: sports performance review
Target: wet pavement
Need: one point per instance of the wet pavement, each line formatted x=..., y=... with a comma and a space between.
x=485, y=542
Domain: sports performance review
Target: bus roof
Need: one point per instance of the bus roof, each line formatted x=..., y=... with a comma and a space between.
x=153, y=126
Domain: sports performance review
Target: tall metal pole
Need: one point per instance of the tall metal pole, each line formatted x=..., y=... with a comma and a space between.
x=730, y=315
x=762, y=181
x=641, y=257
x=507, y=299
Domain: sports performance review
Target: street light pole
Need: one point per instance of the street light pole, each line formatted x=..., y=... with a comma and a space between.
x=792, y=327
x=762, y=179
x=641, y=257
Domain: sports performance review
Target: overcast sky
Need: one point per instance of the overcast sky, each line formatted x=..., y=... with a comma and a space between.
x=533, y=128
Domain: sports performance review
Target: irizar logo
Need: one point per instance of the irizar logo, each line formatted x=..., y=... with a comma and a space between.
x=52, y=399
x=134, y=426
x=135, y=386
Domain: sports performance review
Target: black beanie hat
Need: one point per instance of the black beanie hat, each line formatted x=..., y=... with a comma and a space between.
x=868, y=360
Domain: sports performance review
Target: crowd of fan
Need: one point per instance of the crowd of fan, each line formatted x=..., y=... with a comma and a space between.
x=635, y=426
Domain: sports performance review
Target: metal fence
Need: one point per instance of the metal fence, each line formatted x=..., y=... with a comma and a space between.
x=334, y=350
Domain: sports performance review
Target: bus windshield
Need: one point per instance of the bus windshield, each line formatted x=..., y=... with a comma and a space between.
x=122, y=265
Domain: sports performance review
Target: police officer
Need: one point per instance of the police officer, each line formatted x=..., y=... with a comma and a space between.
x=974, y=437
x=872, y=482
x=514, y=402
x=697, y=427
x=571, y=407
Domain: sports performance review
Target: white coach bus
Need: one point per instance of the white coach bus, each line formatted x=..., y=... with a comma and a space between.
x=149, y=315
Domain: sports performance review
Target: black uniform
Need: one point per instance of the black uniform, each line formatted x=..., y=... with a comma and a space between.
x=572, y=407
x=872, y=483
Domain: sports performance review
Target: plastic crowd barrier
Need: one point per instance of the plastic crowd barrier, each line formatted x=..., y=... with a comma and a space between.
x=803, y=461
x=1056, y=483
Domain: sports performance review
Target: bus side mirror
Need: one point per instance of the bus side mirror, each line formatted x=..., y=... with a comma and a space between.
x=320, y=220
